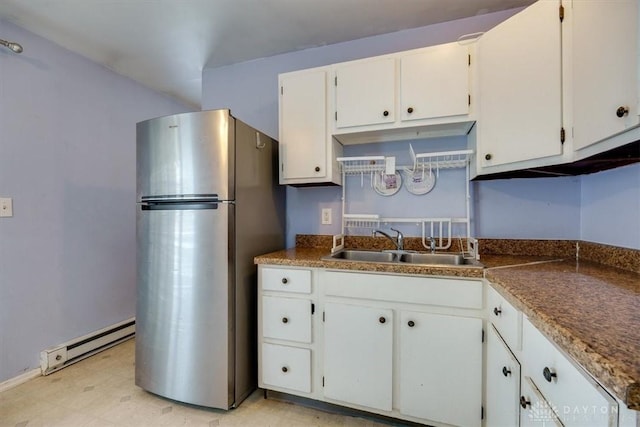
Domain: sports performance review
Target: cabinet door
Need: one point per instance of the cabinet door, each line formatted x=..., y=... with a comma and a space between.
x=358, y=355
x=303, y=137
x=435, y=82
x=520, y=97
x=441, y=368
x=502, y=383
x=605, y=68
x=365, y=93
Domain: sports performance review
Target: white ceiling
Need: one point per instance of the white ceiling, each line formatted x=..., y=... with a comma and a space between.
x=165, y=44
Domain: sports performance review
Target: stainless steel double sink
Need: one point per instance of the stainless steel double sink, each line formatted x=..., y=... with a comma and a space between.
x=402, y=257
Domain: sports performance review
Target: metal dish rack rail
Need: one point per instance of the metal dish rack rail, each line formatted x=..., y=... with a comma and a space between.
x=438, y=228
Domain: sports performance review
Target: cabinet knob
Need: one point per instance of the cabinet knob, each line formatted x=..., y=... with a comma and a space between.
x=285, y=369
x=317, y=169
x=622, y=111
x=285, y=280
x=524, y=402
x=385, y=113
x=411, y=323
x=488, y=156
x=382, y=319
x=410, y=110
x=285, y=320
x=497, y=311
x=506, y=371
x=548, y=374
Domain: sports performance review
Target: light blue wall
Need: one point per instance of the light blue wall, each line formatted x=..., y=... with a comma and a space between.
x=67, y=158
x=611, y=207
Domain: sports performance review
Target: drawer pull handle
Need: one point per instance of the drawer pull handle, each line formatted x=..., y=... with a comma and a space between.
x=497, y=311
x=285, y=280
x=385, y=113
x=506, y=371
x=285, y=320
x=411, y=323
x=410, y=110
x=548, y=374
x=285, y=369
x=524, y=402
x=382, y=319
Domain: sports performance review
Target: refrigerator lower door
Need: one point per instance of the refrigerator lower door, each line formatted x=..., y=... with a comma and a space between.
x=184, y=326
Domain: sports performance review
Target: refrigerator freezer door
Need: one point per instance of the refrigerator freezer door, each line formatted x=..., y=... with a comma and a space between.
x=184, y=339
x=189, y=154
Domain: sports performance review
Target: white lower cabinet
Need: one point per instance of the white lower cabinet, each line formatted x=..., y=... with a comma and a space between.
x=358, y=354
x=535, y=410
x=286, y=367
x=440, y=360
x=502, y=383
x=286, y=307
x=575, y=396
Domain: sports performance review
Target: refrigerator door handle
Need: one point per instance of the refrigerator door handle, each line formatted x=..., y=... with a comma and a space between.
x=177, y=205
x=188, y=198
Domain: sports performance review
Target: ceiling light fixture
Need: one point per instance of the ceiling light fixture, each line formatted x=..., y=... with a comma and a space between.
x=15, y=47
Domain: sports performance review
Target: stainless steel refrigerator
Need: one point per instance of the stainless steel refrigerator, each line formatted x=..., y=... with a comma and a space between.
x=207, y=203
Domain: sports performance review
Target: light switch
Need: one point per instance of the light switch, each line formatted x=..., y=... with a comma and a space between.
x=6, y=207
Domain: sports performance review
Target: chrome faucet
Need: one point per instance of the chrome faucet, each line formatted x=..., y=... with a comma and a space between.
x=398, y=241
x=432, y=244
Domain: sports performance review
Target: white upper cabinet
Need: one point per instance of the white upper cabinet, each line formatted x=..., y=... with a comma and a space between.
x=605, y=68
x=365, y=92
x=307, y=152
x=435, y=82
x=419, y=93
x=520, y=91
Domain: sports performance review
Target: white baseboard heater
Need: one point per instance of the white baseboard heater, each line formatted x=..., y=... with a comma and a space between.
x=60, y=356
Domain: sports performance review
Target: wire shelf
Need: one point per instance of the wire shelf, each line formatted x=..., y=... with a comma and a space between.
x=440, y=160
x=358, y=165
x=361, y=221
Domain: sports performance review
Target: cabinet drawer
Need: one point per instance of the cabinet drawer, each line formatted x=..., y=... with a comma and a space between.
x=578, y=398
x=286, y=319
x=535, y=410
x=286, y=280
x=437, y=291
x=506, y=319
x=286, y=367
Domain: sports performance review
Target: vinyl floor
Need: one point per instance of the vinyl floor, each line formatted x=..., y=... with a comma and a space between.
x=100, y=391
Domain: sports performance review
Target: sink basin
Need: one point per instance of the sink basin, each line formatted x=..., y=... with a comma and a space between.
x=363, y=256
x=441, y=259
x=402, y=257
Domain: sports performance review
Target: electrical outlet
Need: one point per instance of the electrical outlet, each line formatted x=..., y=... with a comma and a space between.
x=326, y=216
x=6, y=207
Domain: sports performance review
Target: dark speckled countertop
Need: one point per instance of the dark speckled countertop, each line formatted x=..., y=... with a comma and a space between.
x=589, y=309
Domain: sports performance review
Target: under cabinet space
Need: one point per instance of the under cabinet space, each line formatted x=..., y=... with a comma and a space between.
x=286, y=367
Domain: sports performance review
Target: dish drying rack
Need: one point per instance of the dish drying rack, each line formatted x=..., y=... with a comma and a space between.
x=439, y=229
